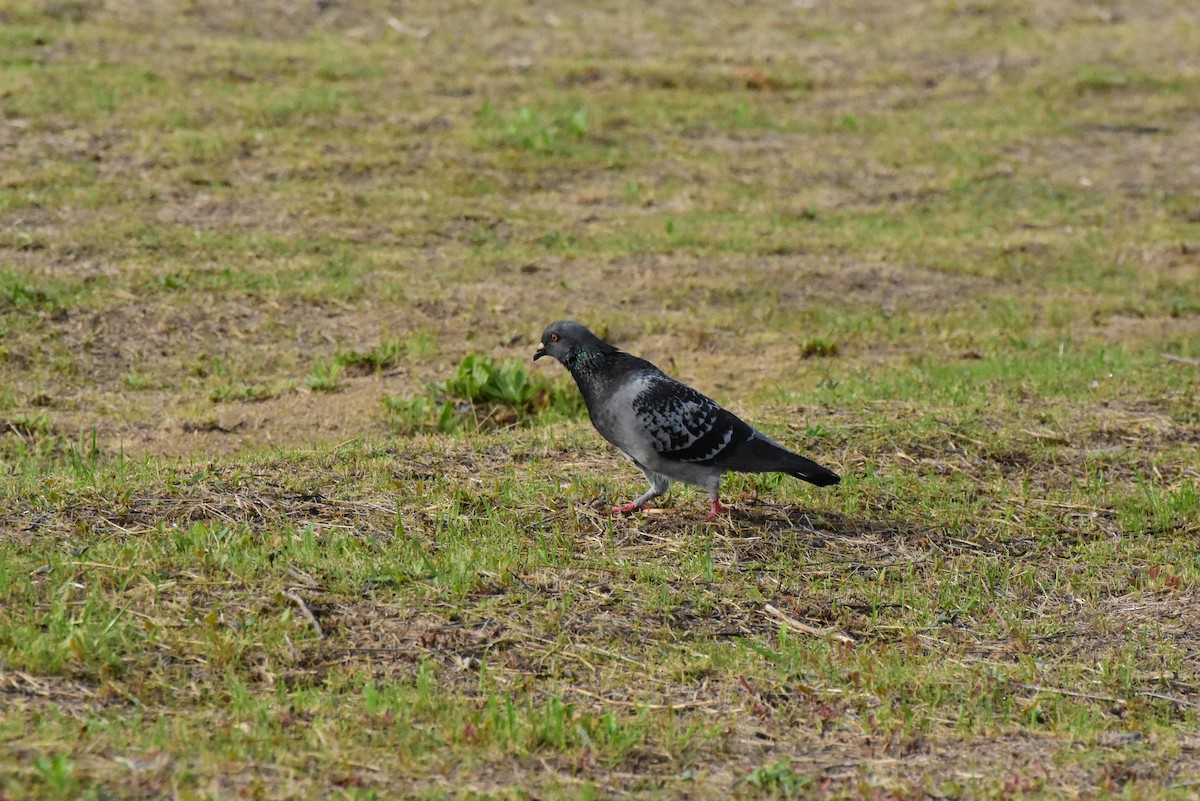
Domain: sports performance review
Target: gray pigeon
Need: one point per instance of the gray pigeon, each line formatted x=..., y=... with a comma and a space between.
x=669, y=430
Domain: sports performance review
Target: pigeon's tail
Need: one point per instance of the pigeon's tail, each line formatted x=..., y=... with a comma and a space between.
x=810, y=471
x=761, y=454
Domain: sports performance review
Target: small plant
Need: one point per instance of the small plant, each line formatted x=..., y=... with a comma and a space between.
x=136, y=381
x=84, y=457
x=480, y=380
x=816, y=347
x=388, y=353
x=384, y=355
x=16, y=292
x=232, y=387
x=58, y=772
x=484, y=393
x=235, y=391
x=505, y=393
x=27, y=426
x=408, y=415
x=549, y=132
x=779, y=779
x=324, y=376
x=556, y=240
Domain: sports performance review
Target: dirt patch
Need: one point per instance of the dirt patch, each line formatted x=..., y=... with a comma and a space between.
x=315, y=418
x=1117, y=154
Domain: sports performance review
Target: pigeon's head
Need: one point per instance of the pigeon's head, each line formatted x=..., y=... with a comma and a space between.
x=567, y=340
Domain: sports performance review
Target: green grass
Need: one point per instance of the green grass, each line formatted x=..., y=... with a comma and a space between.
x=286, y=511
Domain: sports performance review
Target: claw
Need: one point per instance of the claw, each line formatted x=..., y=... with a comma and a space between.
x=624, y=509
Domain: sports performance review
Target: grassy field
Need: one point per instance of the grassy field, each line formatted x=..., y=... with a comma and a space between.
x=282, y=517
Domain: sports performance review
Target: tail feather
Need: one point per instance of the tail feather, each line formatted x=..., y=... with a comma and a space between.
x=810, y=471
x=761, y=454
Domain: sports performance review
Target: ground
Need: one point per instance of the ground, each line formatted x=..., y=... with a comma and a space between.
x=949, y=249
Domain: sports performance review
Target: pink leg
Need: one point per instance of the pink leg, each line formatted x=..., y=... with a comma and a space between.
x=717, y=510
x=624, y=509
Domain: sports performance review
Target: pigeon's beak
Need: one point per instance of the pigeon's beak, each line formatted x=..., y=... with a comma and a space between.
x=541, y=351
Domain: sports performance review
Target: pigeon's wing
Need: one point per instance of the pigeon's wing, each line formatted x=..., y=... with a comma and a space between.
x=684, y=425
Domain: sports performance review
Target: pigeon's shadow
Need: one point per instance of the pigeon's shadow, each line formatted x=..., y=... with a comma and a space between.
x=765, y=532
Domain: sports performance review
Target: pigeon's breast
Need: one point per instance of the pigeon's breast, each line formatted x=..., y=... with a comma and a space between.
x=618, y=423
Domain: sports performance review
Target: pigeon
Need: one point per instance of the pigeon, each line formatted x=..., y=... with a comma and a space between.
x=669, y=430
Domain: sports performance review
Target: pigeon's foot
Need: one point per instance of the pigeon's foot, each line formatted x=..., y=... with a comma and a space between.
x=717, y=511
x=625, y=509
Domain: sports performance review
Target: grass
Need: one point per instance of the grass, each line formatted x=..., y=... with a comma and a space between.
x=286, y=511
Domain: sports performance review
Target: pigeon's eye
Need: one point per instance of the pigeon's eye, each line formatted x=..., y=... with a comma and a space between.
x=554, y=337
